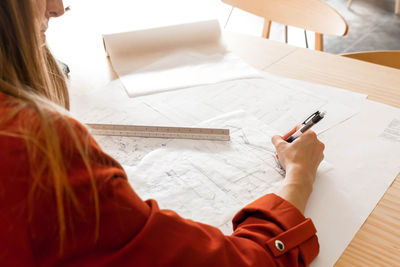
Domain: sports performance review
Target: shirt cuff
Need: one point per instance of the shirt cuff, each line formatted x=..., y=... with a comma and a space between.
x=301, y=236
x=293, y=229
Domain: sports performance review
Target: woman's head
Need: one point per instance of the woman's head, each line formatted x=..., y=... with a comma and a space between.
x=46, y=10
x=26, y=65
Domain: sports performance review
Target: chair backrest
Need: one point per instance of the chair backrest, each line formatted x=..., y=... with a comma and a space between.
x=385, y=58
x=313, y=15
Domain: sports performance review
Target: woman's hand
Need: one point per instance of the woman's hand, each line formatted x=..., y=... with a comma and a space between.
x=300, y=159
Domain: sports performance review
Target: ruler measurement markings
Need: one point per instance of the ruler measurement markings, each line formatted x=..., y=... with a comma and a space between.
x=161, y=132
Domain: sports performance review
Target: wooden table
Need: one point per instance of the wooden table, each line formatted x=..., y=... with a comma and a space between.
x=378, y=241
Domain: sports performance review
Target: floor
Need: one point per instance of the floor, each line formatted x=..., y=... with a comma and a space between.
x=372, y=26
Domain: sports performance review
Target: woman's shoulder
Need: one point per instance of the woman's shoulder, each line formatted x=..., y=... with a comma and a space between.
x=19, y=116
x=30, y=132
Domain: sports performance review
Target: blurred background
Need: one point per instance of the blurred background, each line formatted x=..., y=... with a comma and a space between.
x=373, y=24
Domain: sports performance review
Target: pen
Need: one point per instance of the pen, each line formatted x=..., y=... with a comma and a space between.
x=307, y=124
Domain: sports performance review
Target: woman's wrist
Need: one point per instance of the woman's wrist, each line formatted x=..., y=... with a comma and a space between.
x=298, y=175
x=297, y=187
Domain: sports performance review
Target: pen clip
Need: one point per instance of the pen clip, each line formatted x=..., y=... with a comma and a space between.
x=311, y=117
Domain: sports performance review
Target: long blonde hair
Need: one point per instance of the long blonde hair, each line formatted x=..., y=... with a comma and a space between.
x=33, y=79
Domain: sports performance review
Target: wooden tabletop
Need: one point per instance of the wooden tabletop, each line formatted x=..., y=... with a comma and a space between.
x=378, y=241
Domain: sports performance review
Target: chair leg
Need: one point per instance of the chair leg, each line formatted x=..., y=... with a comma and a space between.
x=267, y=28
x=349, y=3
x=305, y=37
x=319, y=42
x=230, y=13
x=286, y=34
x=397, y=7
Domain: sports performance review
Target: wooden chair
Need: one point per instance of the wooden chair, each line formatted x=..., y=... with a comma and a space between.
x=385, y=58
x=396, y=7
x=313, y=15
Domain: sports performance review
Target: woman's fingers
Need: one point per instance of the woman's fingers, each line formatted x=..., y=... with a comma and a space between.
x=291, y=132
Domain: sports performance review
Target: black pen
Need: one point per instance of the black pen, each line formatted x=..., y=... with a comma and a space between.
x=308, y=123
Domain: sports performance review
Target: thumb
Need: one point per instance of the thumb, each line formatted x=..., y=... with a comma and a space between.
x=276, y=140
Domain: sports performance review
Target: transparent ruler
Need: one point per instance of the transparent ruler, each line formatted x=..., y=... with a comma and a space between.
x=160, y=132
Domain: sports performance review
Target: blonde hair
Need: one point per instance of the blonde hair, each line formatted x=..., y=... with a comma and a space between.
x=33, y=79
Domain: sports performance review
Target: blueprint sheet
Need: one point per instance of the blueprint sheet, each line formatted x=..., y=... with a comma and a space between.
x=276, y=104
x=209, y=181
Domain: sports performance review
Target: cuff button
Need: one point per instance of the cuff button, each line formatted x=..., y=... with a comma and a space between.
x=279, y=245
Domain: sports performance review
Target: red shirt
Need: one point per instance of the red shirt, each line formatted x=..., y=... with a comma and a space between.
x=133, y=232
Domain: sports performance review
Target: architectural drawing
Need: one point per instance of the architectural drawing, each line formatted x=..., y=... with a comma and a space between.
x=209, y=181
x=278, y=105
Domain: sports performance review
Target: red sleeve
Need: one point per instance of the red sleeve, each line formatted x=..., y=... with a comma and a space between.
x=137, y=233
x=280, y=227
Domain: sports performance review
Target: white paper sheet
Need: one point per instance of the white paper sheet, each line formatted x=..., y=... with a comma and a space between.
x=279, y=106
x=365, y=164
x=209, y=181
x=185, y=69
x=175, y=57
x=392, y=132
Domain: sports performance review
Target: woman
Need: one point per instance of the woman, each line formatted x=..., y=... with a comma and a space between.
x=63, y=201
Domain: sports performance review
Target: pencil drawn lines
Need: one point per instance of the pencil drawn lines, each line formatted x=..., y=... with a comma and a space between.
x=210, y=181
x=221, y=187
